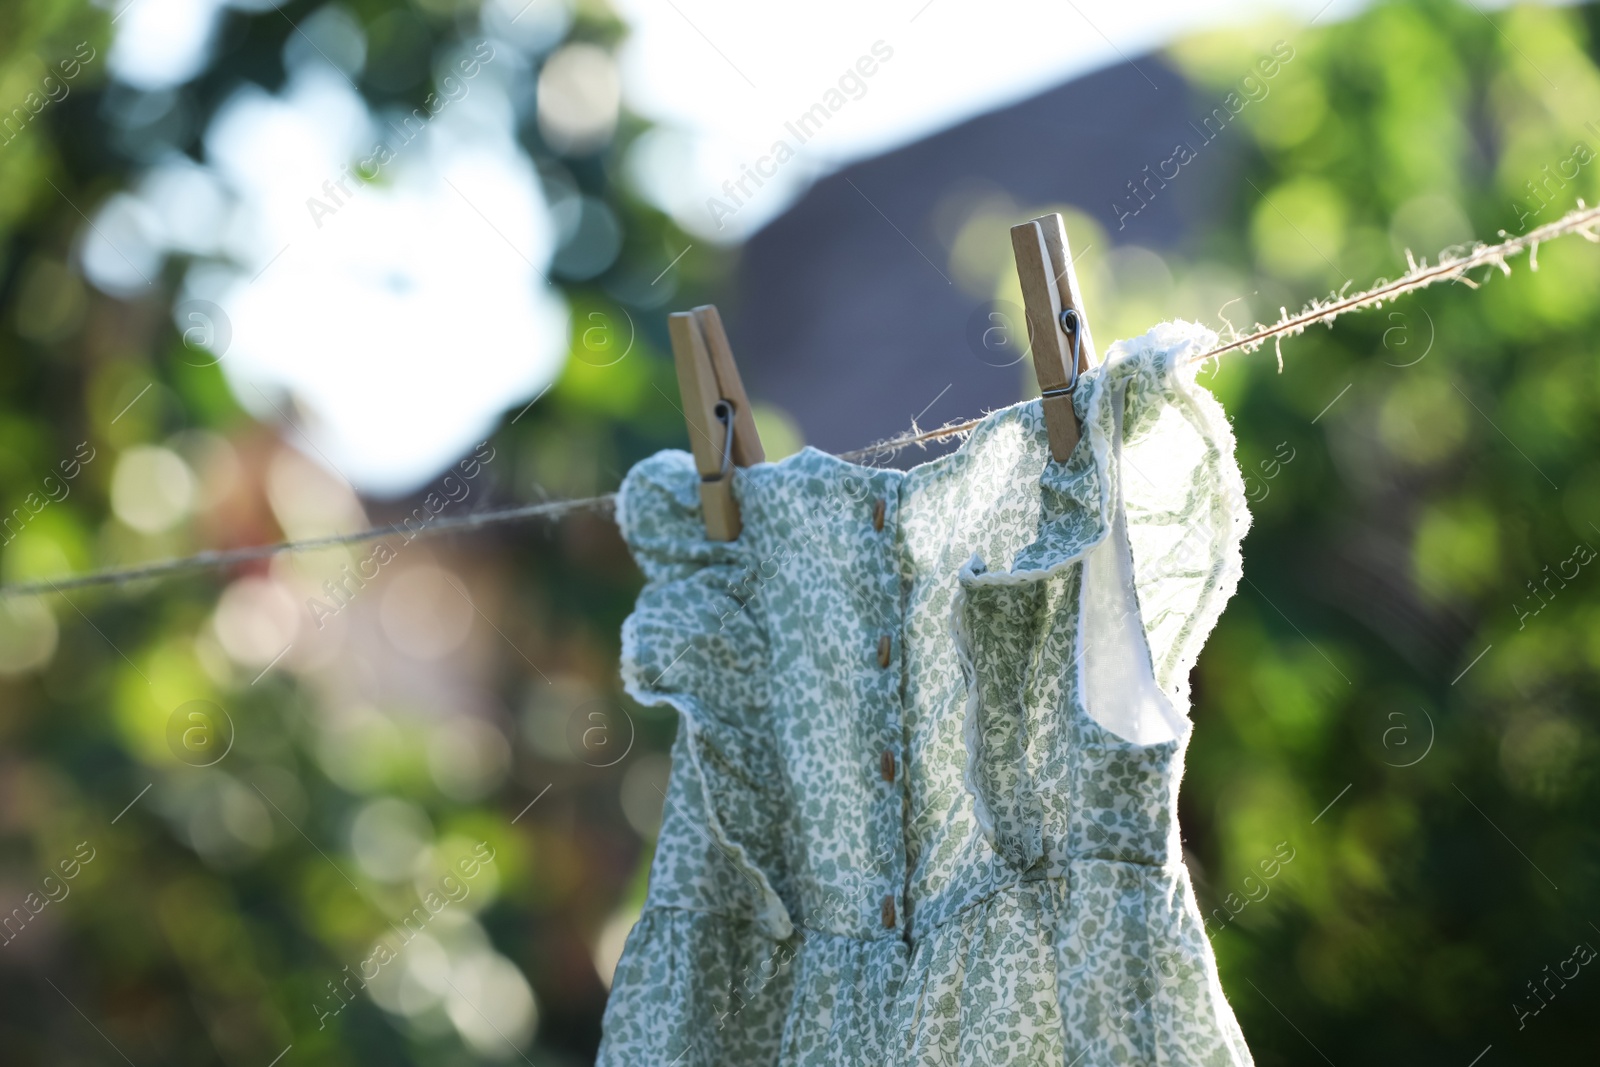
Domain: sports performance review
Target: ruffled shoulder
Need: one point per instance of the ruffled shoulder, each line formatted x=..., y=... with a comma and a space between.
x=694, y=628
x=1182, y=494
x=697, y=642
x=658, y=512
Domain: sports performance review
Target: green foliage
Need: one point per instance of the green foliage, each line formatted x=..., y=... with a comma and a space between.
x=227, y=900
x=1387, y=692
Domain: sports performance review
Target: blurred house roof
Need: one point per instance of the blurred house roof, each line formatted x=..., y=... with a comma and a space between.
x=844, y=311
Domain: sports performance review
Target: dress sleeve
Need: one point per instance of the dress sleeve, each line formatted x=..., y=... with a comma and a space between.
x=696, y=643
x=1017, y=624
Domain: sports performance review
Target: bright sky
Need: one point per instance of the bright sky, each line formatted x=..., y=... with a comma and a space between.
x=403, y=323
x=723, y=77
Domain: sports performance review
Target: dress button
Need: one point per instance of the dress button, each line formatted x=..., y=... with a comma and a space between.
x=887, y=911
x=877, y=514
x=883, y=650
x=886, y=765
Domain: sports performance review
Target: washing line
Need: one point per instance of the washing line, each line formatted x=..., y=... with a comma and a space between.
x=1453, y=265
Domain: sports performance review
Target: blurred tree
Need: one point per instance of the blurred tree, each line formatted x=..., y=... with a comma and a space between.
x=1404, y=689
x=230, y=901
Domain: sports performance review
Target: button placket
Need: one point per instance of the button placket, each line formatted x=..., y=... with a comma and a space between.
x=892, y=710
x=885, y=647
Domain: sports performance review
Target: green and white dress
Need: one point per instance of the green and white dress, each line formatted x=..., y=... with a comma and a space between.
x=923, y=805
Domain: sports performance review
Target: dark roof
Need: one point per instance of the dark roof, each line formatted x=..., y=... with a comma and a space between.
x=842, y=312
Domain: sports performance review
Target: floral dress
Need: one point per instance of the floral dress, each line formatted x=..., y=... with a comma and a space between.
x=923, y=804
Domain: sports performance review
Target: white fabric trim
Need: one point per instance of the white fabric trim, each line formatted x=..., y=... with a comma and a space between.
x=1120, y=690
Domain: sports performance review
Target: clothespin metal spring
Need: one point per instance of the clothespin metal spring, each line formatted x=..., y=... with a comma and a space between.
x=724, y=413
x=1071, y=325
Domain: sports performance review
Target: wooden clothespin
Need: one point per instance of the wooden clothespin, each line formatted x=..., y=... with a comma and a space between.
x=1057, y=326
x=722, y=432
